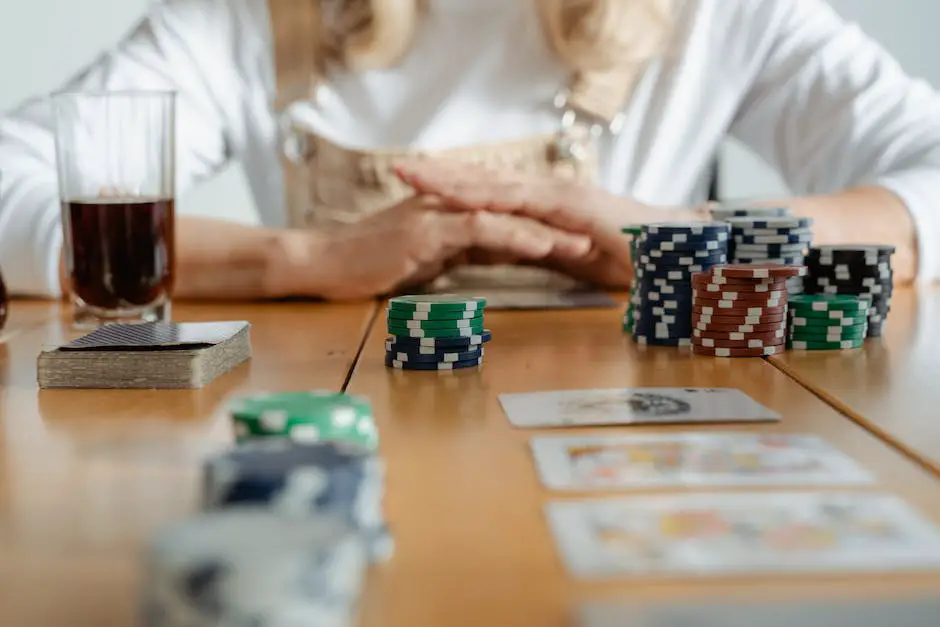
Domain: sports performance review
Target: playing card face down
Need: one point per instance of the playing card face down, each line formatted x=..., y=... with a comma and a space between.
x=715, y=534
x=157, y=336
x=599, y=462
x=626, y=406
x=923, y=612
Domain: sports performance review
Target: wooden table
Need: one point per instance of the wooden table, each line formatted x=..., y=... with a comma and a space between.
x=892, y=386
x=88, y=476
x=465, y=504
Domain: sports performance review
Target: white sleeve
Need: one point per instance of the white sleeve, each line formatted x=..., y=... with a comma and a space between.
x=830, y=109
x=176, y=46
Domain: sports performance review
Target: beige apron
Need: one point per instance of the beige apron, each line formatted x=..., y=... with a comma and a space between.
x=327, y=185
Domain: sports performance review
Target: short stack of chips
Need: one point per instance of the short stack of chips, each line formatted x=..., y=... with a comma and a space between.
x=741, y=310
x=435, y=332
x=306, y=417
x=863, y=271
x=668, y=254
x=826, y=322
x=633, y=232
x=778, y=239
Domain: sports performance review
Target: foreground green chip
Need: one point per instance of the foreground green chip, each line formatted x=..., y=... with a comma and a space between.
x=632, y=229
x=314, y=416
x=828, y=322
x=811, y=334
x=402, y=314
x=806, y=345
x=471, y=323
x=437, y=302
x=827, y=302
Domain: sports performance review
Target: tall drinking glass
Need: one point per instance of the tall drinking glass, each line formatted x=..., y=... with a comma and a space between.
x=116, y=167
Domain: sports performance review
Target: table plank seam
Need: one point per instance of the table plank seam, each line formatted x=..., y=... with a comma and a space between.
x=854, y=416
x=367, y=331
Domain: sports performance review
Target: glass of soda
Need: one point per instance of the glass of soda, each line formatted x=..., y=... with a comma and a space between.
x=116, y=169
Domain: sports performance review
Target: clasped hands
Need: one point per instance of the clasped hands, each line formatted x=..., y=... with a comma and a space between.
x=463, y=214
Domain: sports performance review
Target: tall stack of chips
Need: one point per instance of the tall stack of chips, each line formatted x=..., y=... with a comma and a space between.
x=435, y=332
x=863, y=271
x=632, y=231
x=668, y=254
x=307, y=417
x=248, y=567
x=741, y=310
x=823, y=322
x=781, y=239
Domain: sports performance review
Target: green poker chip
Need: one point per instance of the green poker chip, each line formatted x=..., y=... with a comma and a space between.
x=827, y=302
x=314, y=416
x=825, y=321
x=632, y=229
x=437, y=302
x=401, y=314
x=471, y=323
x=400, y=332
x=811, y=334
x=831, y=314
x=806, y=345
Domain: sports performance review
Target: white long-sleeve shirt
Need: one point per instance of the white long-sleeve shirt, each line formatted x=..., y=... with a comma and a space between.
x=808, y=92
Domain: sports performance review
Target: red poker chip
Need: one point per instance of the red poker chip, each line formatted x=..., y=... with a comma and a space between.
x=738, y=319
x=748, y=312
x=707, y=281
x=767, y=303
x=738, y=352
x=708, y=342
x=739, y=295
x=719, y=327
x=767, y=337
x=757, y=271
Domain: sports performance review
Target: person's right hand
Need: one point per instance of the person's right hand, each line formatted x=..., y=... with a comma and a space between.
x=414, y=242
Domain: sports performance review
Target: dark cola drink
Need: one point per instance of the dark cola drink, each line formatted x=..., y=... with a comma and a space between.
x=4, y=303
x=122, y=252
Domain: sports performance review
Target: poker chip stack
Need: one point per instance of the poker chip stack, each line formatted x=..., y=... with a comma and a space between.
x=435, y=332
x=634, y=232
x=771, y=239
x=741, y=310
x=863, y=271
x=825, y=322
x=668, y=254
x=246, y=566
x=306, y=417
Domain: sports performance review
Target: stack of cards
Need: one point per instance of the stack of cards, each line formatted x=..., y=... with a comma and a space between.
x=154, y=355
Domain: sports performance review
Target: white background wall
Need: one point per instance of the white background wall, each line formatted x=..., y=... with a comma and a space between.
x=44, y=41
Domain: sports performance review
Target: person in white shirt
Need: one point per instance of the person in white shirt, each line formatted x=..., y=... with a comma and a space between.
x=856, y=139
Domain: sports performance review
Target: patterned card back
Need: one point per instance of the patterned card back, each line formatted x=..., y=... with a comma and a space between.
x=157, y=336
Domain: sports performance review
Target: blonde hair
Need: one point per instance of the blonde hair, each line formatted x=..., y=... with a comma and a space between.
x=587, y=35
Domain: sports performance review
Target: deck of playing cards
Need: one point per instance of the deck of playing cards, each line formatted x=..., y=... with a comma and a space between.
x=147, y=356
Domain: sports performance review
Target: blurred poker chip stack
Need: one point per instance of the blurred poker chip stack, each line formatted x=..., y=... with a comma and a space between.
x=741, y=310
x=248, y=567
x=306, y=417
x=779, y=240
x=633, y=232
x=329, y=479
x=863, y=270
x=826, y=322
x=435, y=332
x=668, y=254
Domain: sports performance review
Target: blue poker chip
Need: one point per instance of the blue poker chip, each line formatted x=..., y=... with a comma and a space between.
x=436, y=356
x=687, y=258
x=780, y=222
x=773, y=239
x=655, y=248
x=689, y=229
x=808, y=232
x=783, y=261
x=647, y=340
x=319, y=478
x=441, y=343
x=432, y=365
x=695, y=252
x=773, y=250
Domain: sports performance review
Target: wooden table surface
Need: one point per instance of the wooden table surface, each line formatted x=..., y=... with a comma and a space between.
x=86, y=477
x=892, y=386
x=465, y=504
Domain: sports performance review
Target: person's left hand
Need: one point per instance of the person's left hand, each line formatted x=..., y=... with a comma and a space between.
x=561, y=204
